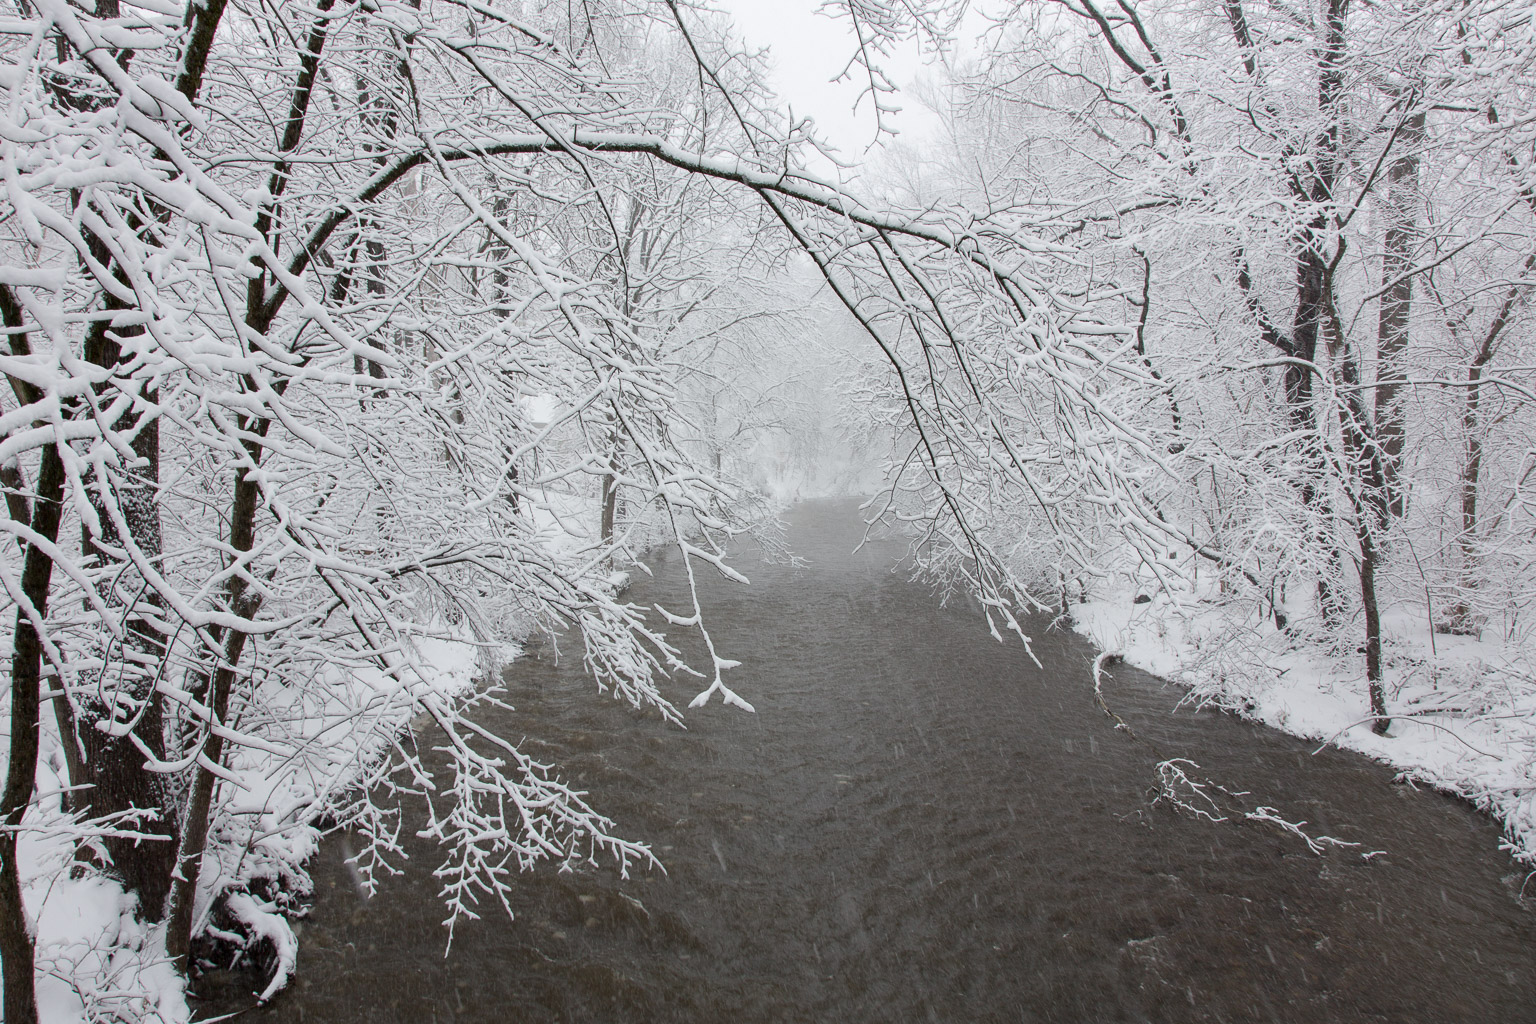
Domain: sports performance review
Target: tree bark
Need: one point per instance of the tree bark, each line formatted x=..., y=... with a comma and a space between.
x=1400, y=209
x=111, y=765
x=1369, y=555
x=610, y=498
x=1461, y=619
x=44, y=514
x=17, y=964
x=1313, y=298
x=194, y=832
x=1311, y=186
x=1368, y=497
x=1299, y=394
x=261, y=311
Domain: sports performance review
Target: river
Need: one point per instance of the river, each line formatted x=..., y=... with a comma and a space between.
x=919, y=824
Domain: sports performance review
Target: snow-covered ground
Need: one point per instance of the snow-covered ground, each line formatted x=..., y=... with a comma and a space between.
x=1464, y=709
x=96, y=962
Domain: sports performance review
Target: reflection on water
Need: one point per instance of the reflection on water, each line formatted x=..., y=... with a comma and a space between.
x=920, y=825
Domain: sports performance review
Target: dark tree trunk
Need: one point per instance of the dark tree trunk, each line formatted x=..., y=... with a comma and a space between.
x=1313, y=299
x=194, y=833
x=1369, y=500
x=1311, y=185
x=1373, y=677
x=261, y=310
x=610, y=502
x=1461, y=619
x=17, y=965
x=112, y=766
x=1392, y=325
x=44, y=513
x=1311, y=273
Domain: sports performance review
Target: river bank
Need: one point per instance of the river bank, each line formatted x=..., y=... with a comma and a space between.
x=96, y=961
x=1464, y=708
x=303, y=755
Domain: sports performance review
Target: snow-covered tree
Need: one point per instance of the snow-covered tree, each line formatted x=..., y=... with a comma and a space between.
x=1314, y=215
x=318, y=314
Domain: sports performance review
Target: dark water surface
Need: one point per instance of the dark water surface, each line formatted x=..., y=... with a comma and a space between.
x=920, y=825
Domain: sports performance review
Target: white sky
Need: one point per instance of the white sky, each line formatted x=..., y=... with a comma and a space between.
x=808, y=50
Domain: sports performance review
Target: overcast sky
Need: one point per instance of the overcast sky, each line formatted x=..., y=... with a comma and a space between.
x=808, y=51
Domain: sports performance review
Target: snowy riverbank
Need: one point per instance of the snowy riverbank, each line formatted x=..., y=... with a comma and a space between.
x=96, y=962
x=1464, y=709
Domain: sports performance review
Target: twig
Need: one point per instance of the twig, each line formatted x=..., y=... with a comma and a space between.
x=1435, y=725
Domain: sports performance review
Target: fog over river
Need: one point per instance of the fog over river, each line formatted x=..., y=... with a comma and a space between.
x=919, y=824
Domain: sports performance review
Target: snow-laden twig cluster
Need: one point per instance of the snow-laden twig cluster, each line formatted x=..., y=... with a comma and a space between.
x=1203, y=798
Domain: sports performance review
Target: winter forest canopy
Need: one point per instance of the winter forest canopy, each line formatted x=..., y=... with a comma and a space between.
x=345, y=336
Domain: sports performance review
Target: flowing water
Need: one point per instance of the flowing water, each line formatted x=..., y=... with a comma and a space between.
x=919, y=824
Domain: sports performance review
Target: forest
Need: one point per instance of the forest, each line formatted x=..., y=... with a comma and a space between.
x=352, y=343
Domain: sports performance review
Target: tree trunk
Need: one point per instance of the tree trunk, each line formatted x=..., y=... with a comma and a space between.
x=112, y=767
x=1311, y=274
x=43, y=513
x=610, y=502
x=1313, y=303
x=1400, y=209
x=1311, y=186
x=1368, y=497
x=1373, y=677
x=1462, y=619
x=194, y=832
x=17, y=964
x=245, y=502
